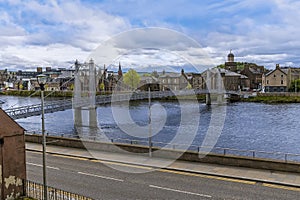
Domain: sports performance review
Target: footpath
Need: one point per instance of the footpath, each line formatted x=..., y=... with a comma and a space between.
x=240, y=173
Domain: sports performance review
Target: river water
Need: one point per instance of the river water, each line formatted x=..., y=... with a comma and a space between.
x=247, y=126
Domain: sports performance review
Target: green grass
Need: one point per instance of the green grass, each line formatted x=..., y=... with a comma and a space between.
x=273, y=99
x=25, y=93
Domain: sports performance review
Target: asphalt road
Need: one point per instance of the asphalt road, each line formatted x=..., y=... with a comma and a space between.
x=97, y=180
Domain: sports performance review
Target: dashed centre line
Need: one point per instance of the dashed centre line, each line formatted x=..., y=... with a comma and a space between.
x=180, y=191
x=38, y=165
x=207, y=176
x=98, y=176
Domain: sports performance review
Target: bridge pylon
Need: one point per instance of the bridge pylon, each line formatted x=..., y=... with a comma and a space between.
x=215, y=87
x=84, y=100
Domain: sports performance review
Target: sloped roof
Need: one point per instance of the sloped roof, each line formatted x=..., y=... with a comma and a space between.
x=150, y=78
x=9, y=127
x=285, y=71
x=254, y=71
x=228, y=72
x=171, y=75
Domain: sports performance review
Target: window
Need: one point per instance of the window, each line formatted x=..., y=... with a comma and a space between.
x=174, y=80
x=274, y=75
x=281, y=82
x=267, y=82
x=281, y=75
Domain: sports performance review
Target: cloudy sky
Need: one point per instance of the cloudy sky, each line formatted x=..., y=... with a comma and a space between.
x=57, y=32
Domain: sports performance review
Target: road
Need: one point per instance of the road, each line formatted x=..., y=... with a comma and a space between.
x=97, y=180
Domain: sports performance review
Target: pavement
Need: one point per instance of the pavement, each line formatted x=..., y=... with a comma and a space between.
x=243, y=173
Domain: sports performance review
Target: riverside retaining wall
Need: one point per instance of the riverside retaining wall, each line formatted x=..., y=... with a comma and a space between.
x=231, y=160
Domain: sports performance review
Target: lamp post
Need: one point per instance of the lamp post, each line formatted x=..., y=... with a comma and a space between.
x=149, y=119
x=42, y=81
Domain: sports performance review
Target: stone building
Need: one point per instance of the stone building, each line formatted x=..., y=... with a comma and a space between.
x=254, y=73
x=225, y=80
x=173, y=81
x=109, y=80
x=147, y=82
x=231, y=65
x=12, y=158
x=195, y=80
x=276, y=80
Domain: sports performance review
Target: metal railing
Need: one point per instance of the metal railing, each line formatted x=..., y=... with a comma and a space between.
x=193, y=148
x=60, y=105
x=218, y=150
x=36, y=191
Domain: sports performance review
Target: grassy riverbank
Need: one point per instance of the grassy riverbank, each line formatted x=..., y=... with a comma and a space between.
x=273, y=99
x=260, y=98
x=25, y=93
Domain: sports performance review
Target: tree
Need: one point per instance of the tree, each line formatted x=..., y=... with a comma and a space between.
x=189, y=86
x=295, y=86
x=101, y=86
x=131, y=78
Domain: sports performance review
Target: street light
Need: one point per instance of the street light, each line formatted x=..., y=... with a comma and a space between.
x=41, y=79
x=149, y=120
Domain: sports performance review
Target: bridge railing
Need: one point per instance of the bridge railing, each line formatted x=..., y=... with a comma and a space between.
x=32, y=110
x=53, y=106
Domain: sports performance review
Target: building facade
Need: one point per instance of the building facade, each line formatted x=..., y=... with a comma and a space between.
x=173, y=81
x=275, y=81
x=254, y=73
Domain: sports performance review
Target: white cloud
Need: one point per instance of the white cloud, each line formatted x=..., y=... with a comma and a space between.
x=47, y=34
x=55, y=32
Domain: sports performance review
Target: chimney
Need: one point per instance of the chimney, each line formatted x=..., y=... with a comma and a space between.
x=277, y=66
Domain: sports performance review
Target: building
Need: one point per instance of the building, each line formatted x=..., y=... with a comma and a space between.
x=276, y=80
x=109, y=81
x=231, y=65
x=293, y=74
x=147, y=82
x=173, y=81
x=196, y=80
x=254, y=73
x=224, y=79
x=12, y=158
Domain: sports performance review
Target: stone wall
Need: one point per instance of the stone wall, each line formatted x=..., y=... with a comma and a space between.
x=231, y=160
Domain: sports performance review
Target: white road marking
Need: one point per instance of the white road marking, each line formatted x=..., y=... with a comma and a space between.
x=38, y=165
x=104, y=177
x=180, y=191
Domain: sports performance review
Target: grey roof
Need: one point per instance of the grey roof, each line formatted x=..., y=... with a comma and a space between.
x=228, y=72
x=285, y=71
x=254, y=71
x=171, y=75
x=151, y=78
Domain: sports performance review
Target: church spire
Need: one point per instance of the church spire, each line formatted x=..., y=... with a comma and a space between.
x=120, y=73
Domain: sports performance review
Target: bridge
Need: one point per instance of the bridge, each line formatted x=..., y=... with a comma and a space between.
x=61, y=105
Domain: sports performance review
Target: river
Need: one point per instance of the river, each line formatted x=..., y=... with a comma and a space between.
x=247, y=126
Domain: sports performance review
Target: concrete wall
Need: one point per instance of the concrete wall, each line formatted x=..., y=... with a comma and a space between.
x=186, y=156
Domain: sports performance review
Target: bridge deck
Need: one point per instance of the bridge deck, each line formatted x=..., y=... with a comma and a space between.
x=60, y=105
